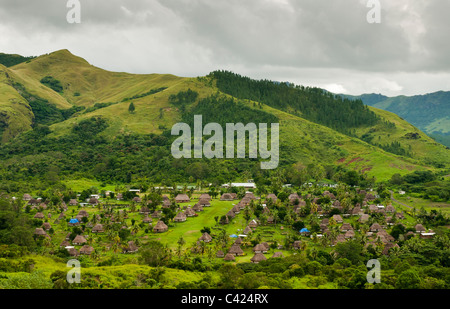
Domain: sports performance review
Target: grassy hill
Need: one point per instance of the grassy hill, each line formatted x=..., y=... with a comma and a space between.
x=69, y=91
x=429, y=112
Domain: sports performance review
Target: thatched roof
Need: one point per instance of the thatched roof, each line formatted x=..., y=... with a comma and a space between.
x=205, y=237
x=204, y=202
x=375, y=227
x=236, y=250
x=349, y=234
x=40, y=231
x=253, y=223
x=231, y=214
x=250, y=195
x=258, y=257
x=147, y=219
x=190, y=212
x=226, y=197
x=39, y=215
x=180, y=217
x=220, y=254
x=278, y=255
x=271, y=196
x=46, y=226
x=86, y=249
x=420, y=228
x=156, y=214
x=93, y=201
x=79, y=239
x=337, y=218
x=131, y=247
x=182, y=198
x=160, y=227
x=259, y=248
x=65, y=243
x=205, y=196
x=27, y=197
x=364, y=218
x=388, y=247
x=73, y=252
x=346, y=227
x=197, y=207
x=98, y=228
x=247, y=230
x=144, y=210
x=229, y=257
x=73, y=202
x=83, y=213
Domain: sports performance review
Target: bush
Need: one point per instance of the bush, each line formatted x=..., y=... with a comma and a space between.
x=52, y=83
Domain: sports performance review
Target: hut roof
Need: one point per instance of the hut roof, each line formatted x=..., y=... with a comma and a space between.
x=131, y=247
x=229, y=257
x=205, y=196
x=182, y=197
x=97, y=228
x=160, y=227
x=278, y=255
x=260, y=248
x=236, y=250
x=73, y=202
x=226, y=197
x=258, y=257
x=247, y=230
x=39, y=215
x=205, y=237
x=79, y=239
x=181, y=216
x=40, y=231
x=420, y=228
x=86, y=249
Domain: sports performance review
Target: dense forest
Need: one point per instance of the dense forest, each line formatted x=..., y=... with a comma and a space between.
x=311, y=103
x=9, y=60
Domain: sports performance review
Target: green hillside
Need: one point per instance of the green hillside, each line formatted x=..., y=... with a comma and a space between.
x=429, y=112
x=70, y=98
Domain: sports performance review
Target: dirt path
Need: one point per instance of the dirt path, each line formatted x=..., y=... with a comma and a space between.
x=397, y=201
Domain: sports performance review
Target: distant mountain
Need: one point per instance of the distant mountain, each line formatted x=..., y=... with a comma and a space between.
x=429, y=112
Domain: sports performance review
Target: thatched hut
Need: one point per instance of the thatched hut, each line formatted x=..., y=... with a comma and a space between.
x=229, y=257
x=98, y=228
x=79, y=240
x=180, y=217
x=236, y=250
x=226, y=197
x=205, y=237
x=260, y=248
x=278, y=255
x=258, y=257
x=182, y=198
x=86, y=249
x=39, y=215
x=131, y=248
x=160, y=227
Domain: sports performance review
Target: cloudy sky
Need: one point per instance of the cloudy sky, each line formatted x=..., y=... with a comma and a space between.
x=323, y=43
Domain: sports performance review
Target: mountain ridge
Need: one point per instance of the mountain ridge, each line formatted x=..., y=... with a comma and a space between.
x=367, y=148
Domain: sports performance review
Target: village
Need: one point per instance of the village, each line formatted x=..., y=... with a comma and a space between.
x=234, y=227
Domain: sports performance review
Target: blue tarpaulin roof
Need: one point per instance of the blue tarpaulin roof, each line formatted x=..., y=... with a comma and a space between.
x=234, y=236
x=73, y=221
x=304, y=230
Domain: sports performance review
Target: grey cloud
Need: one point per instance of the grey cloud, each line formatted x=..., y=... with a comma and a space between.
x=262, y=38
